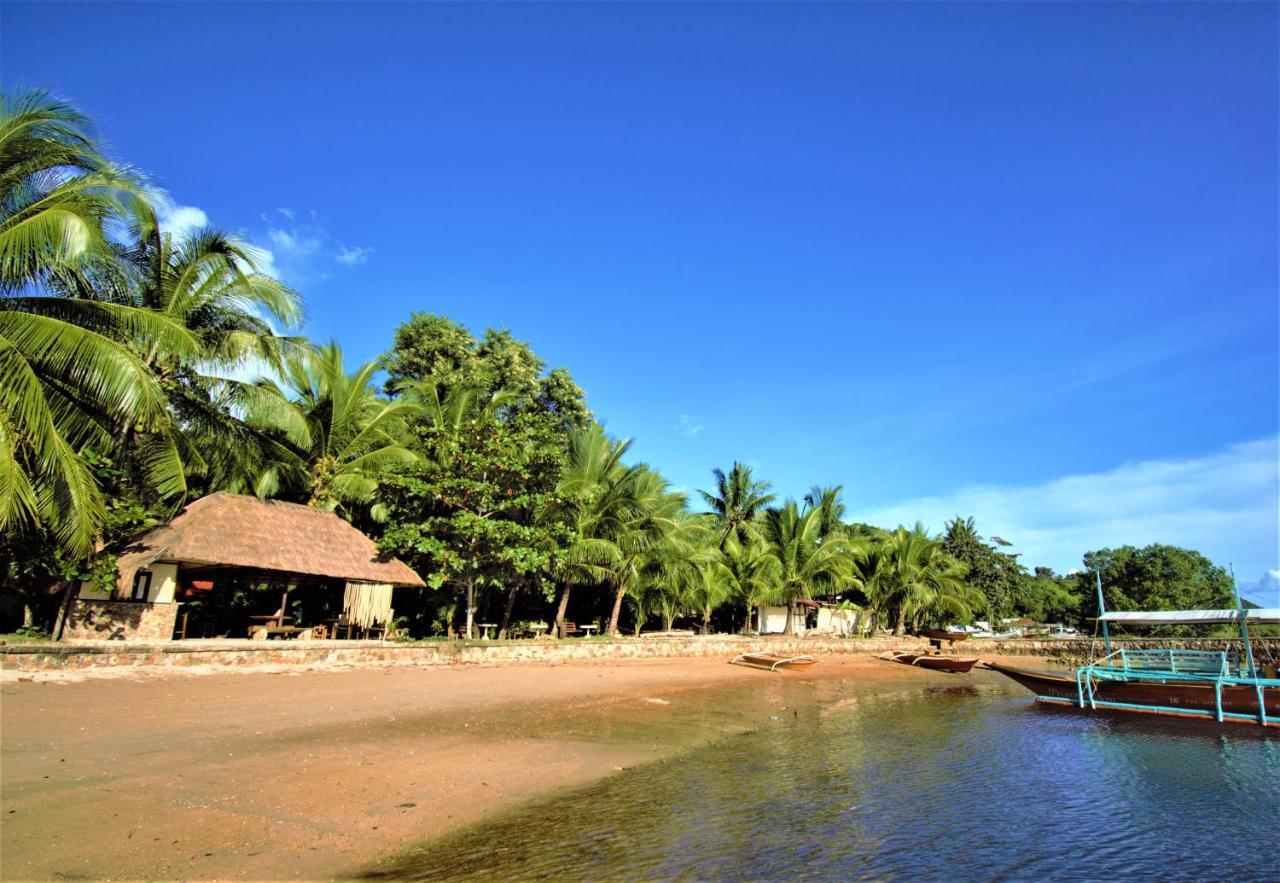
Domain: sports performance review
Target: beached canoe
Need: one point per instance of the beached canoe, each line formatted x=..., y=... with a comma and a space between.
x=772, y=661
x=944, y=635
x=951, y=664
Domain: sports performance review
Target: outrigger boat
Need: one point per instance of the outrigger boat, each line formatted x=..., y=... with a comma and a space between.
x=936, y=663
x=772, y=661
x=944, y=635
x=1207, y=684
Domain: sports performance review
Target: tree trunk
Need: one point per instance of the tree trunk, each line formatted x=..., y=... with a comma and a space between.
x=506, y=614
x=561, y=608
x=64, y=610
x=901, y=628
x=617, y=609
x=791, y=616
x=706, y=621
x=746, y=622
x=471, y=611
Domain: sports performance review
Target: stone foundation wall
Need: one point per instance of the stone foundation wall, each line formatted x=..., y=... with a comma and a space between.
x=241, y=654
x=233, y=654
x=92, y=620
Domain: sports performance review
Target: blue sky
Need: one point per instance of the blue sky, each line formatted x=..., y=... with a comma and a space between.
x=1014, y=261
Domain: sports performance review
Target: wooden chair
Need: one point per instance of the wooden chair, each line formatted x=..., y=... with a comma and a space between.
x=570, y=628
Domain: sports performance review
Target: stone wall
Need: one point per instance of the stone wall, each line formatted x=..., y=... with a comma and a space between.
x=243, y=653
x=94, y=620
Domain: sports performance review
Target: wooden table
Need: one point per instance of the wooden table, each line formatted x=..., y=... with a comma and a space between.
x=277, y=618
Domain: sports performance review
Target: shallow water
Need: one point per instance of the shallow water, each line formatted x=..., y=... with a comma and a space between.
x=965, y=783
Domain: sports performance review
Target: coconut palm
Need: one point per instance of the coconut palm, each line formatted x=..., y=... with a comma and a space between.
x=334, y=435
x=830, y=507
x=58, y=193
x=207, y=282
x=808, y=563
x=737, y=500
x=68, y=379
x=749, y=572
x=654, y=532
x=910, y=575
x=596, y=495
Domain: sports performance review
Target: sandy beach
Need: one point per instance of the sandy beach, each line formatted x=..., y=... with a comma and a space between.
x=316, y=774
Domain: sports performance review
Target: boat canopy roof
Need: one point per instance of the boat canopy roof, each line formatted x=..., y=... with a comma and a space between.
x=1253, y=616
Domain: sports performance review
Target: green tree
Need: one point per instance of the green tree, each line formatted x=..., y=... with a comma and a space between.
x=737, y=501
x=595, y=498
x=334, y=436
x=436, y=349
x=808, y=563
x=750, y=574
x=996, y=574
x=1155, y=577
x=908, y=575
x=68, y=377
x=1048, y=597
x=651, y=534
x=473, y=516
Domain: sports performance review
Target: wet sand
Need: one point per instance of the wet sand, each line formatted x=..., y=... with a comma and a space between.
x=311, y=775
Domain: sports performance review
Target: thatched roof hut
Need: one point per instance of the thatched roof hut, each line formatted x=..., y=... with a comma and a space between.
x=230, y=530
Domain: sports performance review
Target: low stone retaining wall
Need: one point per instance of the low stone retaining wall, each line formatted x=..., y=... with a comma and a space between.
x=307, y=654
x=240, y=654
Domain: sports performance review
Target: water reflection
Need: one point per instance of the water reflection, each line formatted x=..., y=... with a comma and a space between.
x=965, y=783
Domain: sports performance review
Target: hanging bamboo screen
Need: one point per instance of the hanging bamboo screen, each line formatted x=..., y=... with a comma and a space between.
x=367, y=604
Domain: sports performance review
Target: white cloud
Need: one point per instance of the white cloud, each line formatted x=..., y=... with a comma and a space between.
x=352, y=256
x=1226, y=505
x=305, y=251
x=689, y=426
x=294, y=241
x=181, y=219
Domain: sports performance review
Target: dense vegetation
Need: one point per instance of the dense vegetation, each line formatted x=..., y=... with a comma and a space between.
x=121, y=346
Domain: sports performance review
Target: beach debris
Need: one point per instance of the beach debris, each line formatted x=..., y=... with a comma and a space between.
x=658, y=701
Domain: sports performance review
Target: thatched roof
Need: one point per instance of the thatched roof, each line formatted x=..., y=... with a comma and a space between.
x=230, y=530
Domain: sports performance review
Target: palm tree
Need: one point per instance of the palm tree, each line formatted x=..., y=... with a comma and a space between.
x=911, y=575
x=596, y=501
x=207, y=282
x=830, y=507
x=651, y=534
x=807, y=563
x=737, y=500
x=68, y=379
x=750, y=573
x=58, y=193
x=333, y=435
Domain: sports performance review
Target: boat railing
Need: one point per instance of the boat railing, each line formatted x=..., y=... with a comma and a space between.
x=1209, y=666
x=1210, y=663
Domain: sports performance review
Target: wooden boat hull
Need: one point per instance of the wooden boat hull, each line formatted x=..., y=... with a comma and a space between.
x=1173, y=697
x=934, y=663
x=772, y=661
x=944, y=635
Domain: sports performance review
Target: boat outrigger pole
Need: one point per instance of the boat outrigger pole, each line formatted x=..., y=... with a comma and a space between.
x=1102, y=609
x=1244, y=625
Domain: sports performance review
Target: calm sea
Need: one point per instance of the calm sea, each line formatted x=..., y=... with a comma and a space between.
x=964, y=783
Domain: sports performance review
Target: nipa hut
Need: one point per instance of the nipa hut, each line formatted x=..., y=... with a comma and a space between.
x=236, y=566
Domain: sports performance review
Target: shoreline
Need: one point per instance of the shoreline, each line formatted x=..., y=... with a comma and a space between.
x=315, y=774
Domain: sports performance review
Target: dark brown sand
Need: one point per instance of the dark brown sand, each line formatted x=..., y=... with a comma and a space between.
x=311, y=774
